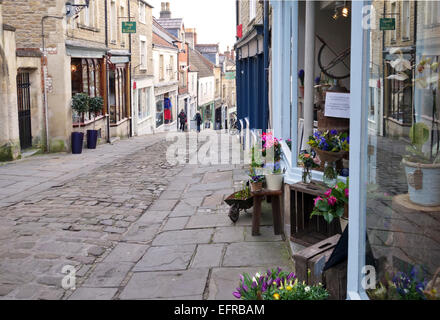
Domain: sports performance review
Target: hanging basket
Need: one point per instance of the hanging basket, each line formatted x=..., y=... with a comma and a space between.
x=328, y=156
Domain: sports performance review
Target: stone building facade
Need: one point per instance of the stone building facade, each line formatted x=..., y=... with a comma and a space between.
x=82, y=52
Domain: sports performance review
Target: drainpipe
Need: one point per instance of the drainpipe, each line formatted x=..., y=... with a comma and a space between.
x=45, y=77
x=309, y=70
x=266, y=65
x=131, y=91
x=106, y=72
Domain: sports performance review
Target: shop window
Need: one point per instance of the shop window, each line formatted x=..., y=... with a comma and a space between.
x=117, y=93
x=144, y=95
x=86, y=78
x=402, y=203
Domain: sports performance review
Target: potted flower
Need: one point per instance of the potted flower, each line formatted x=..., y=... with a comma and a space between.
x=330, y=146
x=422, y=164
x=308, y=162
x=95, y=107
x=80, y=104
x=301, y=79
x=255, y=180
x=276, y=284
x=334, y=204
x=273, y=172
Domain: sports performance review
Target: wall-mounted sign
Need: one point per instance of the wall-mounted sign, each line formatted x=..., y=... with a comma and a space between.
x=128, y=27
x=240, y=31
x=387, y=24
x=337, y=105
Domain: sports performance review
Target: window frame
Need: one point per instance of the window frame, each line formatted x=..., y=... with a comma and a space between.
x=252, y=10
x=143, y=52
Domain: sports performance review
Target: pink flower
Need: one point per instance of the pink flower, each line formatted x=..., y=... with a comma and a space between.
x=328, y=193
x=331, y=201
x=317, y=199
x=346, y=192
x=317, y=160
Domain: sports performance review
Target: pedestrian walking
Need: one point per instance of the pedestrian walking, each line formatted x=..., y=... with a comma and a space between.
x=198, y=119
x=182, y=120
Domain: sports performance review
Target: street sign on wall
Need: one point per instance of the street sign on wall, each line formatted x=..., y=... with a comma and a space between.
x=387, y=24
x=128, y=27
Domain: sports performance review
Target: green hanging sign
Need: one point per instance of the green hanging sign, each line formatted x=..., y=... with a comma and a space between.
x=129, y=27
x=387, y=24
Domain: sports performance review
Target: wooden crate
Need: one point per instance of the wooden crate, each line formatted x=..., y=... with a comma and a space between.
x=335, y=281
x=313, y=258
x=303, y=229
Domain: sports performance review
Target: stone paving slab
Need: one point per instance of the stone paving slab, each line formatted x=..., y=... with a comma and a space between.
x=207, y=221
x=108, y=274
x=256, y=254
x=229, y=234
x=181, y=237
x=166, y=285
x=208, y=255
x=175, y=223
x=126, y=252
x=166, y=258
x=93, y=294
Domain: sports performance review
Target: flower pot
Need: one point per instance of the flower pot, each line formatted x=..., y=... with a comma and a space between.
x=77, y=142
x=92, y=139
x=274, y=181
x=328, y=156
x=423, y=183
x=256, y=186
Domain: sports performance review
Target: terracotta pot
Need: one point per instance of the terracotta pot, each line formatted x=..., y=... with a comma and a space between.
x=256, y=186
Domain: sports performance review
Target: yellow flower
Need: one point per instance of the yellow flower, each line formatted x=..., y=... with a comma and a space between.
x=288, y=288
x=276, y=296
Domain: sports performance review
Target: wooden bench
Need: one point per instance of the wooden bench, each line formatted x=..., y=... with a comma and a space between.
x=276, y=210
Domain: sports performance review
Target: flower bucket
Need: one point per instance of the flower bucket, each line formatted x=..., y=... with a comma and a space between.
x=256, y=186
x=274, y=182
x=423, y=183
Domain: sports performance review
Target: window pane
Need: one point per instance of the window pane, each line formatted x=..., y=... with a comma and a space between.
x=403, y=193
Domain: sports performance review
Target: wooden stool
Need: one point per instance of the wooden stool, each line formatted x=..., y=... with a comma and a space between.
x=276, y=210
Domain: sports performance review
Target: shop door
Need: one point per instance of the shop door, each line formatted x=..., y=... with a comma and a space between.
x=24, y=109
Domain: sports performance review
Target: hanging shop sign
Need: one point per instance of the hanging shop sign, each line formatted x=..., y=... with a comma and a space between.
x=128, y=27
x=387, y=24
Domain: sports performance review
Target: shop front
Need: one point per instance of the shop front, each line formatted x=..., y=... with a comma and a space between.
x=393, y=232
x=166, y=108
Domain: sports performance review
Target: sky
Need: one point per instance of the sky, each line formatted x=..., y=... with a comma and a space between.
x=214, y=20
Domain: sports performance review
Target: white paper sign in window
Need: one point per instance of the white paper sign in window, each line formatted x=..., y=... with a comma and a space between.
x=337, y=105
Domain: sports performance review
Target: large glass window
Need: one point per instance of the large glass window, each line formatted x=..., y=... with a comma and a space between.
x=159, y=111
x=403, y=162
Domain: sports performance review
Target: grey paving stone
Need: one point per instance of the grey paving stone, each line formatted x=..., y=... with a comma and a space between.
x=166, y=258
x=161, y=205
x=266, y=234
x=93, y=294
x=142, y=234
x=205, y=221
x=208, y=255
x=165, y=285
x=194, y=236
x=182, y=210
x=108, y=274
x=126, y=252
x=229, y=234
x=256, y=254
x=152, y=217
x=175, y=223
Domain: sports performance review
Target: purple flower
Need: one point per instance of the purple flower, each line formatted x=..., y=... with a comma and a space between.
x=245, y=288
x=279, y=269
x=264, y=287
x=317, y=80
x=254, y=285
x=333, y=132
x=290, y=275
x=236, y=294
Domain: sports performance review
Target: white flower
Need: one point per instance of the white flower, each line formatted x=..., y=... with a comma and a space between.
x=307, y=289
x=257, y=275
x=254, y=280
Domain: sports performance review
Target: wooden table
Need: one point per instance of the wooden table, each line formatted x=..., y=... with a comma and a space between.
x=305, y=230
x=276, y=210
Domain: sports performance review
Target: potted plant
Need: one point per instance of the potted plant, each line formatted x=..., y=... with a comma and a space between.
x=422, y=166
x=276, y=284
x=330, y=146
x=308, y=162
x=272, y=169
x=333, y=205
x=255, y=180
x=80, y=104
x=301, y=79
x=95, y=107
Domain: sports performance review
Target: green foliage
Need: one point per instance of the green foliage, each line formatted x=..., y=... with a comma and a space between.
x=244, y=193
x=277, y=284
x=419, y=135
x=95, y=105
x=332, y=205
x=81, y=103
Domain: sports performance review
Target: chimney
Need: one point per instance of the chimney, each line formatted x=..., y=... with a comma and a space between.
x=165, y=10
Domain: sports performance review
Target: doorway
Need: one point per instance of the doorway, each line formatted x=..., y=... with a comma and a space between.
x=24, y=109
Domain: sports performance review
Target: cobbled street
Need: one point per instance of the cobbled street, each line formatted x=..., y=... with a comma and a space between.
x=132, y=226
